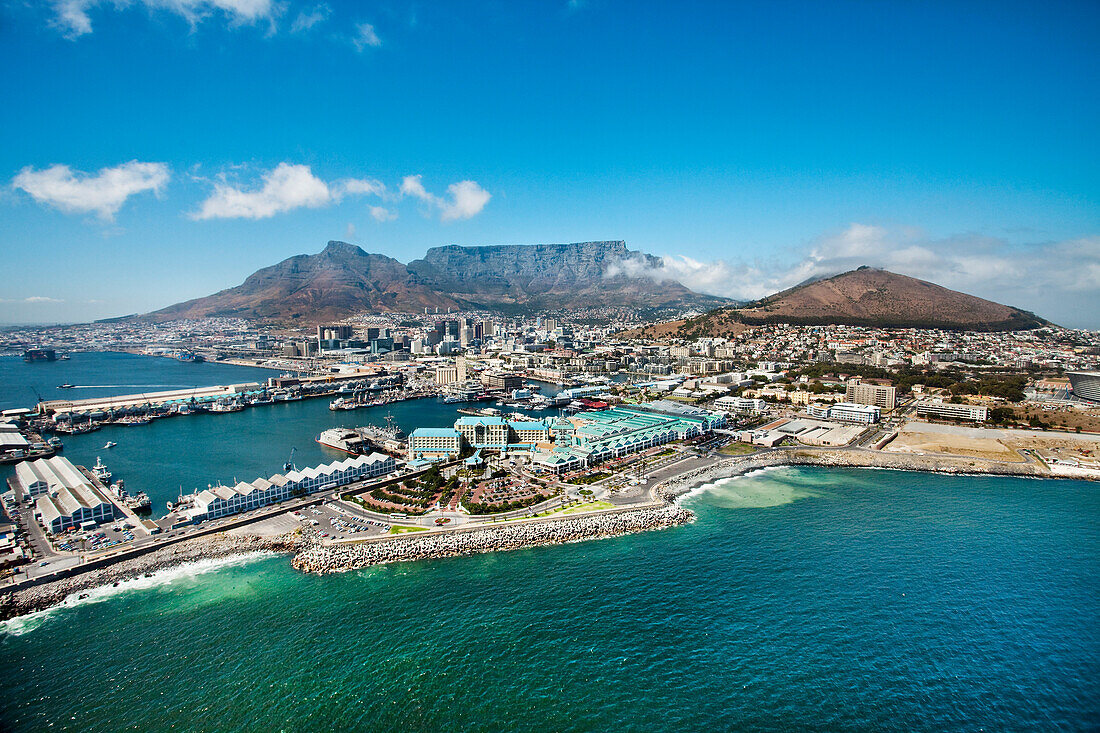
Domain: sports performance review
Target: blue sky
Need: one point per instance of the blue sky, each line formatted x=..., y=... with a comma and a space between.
x=159, y=150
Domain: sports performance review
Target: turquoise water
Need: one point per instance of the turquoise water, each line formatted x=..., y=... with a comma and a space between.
x=801, y=599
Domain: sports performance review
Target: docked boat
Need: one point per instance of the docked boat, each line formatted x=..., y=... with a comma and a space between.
x=101, y=472
x=345, y=439
x=189, y=357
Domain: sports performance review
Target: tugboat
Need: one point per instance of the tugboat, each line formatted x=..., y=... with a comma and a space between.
x=101, y=472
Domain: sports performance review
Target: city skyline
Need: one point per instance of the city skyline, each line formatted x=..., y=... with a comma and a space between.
x=168, y=150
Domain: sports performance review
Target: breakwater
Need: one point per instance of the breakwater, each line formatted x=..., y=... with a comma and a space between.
x=340, y=558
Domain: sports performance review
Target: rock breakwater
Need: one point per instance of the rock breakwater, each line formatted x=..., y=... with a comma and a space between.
x=341, y=558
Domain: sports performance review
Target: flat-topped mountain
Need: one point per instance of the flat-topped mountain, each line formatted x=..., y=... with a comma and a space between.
x=547, y=276
x=343, y=280
x=862, y=297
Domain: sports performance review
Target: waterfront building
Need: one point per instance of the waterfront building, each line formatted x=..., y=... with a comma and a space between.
x=528, y=432
x=66, y=497
x=950, y=411
x=484, y=432
x=434, y=443
x=879, y=395
x=222, y=501
x=606, y=434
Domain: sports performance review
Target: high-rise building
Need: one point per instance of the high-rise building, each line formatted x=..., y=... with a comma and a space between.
x=879, y=395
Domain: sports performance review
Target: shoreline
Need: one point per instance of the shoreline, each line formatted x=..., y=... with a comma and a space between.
x=309, y=557
x=677, y=486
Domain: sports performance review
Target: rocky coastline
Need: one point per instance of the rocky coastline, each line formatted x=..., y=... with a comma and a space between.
x=310, y=557
x=673, y=488
x=40, y=597
x=324, y=559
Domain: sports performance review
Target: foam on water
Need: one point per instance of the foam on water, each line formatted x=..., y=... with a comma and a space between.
x=29, y=622
x=698, y=491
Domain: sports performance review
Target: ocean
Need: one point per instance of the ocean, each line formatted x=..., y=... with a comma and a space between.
x=801, y=599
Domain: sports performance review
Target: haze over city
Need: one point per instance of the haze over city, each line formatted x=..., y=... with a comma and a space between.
x=164, y=151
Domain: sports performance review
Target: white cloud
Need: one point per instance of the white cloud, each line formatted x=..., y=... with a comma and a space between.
x=349, y=234
x=103, y=193
x=32, y=299
x=360, y=186
x=380, y=213
x=285, y=188
x=467, y=198
x=365, y=37
x=1057, y=280
x=307, y=20
x=72, y=16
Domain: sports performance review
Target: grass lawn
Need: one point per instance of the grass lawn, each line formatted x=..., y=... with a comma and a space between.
x=405, y=530
x=588, y=506
x=737, y=449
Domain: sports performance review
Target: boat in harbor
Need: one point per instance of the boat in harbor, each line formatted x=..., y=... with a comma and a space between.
x=110, y=444
x=39, y=354
x=345, y=439
x=66, y=386
x=101, y=472
x=189, y=357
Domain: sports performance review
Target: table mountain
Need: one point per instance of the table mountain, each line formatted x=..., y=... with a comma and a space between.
x=343, y=280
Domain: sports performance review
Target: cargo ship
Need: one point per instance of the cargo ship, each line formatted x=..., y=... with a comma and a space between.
x=39, y=355
x=189, y=357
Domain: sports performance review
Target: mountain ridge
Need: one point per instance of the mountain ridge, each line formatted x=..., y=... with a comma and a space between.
x=344, y=279
x=865, y=296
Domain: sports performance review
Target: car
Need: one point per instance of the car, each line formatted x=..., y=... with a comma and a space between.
x=44, y=563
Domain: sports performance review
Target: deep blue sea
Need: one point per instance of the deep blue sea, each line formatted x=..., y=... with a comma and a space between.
x=801, y=599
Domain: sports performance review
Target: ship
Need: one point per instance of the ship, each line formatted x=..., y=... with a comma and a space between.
x=101, y=472
x=345, y=439
x=39, y=354
x=189, y=356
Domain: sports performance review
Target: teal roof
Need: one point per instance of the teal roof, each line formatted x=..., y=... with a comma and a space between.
x=435, y=433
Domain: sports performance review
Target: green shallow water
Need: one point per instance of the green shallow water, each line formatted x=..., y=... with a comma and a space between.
x=814, y=599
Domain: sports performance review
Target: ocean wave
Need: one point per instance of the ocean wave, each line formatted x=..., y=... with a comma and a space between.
x=719, y=483
x=26, y=623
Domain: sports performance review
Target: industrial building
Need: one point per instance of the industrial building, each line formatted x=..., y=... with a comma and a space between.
x=66, y=497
